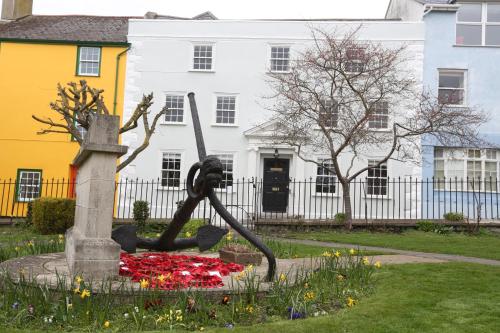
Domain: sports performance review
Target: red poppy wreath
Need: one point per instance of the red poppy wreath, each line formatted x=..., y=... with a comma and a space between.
x=168, y=272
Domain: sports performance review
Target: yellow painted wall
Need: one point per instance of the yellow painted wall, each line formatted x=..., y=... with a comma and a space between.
x=29, y=74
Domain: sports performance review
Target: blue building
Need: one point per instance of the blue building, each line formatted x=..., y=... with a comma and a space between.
x=462, y=68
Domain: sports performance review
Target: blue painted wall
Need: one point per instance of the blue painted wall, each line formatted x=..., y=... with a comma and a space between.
x=483, y=91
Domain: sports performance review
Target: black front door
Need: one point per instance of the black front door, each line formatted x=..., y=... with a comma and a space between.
x=275, y=185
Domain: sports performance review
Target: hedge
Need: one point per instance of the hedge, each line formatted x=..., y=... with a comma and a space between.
x=53, y=216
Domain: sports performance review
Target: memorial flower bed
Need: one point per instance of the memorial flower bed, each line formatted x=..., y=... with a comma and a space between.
x=167, y=272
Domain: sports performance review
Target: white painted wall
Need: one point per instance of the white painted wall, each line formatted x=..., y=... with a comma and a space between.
x=160, y=61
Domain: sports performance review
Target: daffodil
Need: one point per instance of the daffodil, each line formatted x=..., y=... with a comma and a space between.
x=78, y=279
x=337, y=254
x=282, y=277
x=188, y=234
x=327, y=254
x=249, y=309
x=144, y=283
x=229, y=236
x=107, y=324
x=350, y=301
x=340, y=277
x=202, y=328
x=352, y=252
x=366, y=261
x=16, y=248
x=240, y=276
x=309, y=296
x=377, y=264
x=60, y=236
x=76, y=290
x=161, y=278
x=249, y=268
x=85, y=293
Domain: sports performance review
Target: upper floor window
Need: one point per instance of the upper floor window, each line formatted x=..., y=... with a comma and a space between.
x=29, y=184
x=377, y=181
x=355, y=60
x=326, y=179
x=225, y=110
x=379, y=118
x=171, y=170
x=89, y=61
x=203, y=57
x=280, y=59
x=175, y=106
x=329, y=113
x=452, y=87
x=478, y=24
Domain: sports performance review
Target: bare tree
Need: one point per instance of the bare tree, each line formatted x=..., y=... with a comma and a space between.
x=78, y=103
x=345, y=98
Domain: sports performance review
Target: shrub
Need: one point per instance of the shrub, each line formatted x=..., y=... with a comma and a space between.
x=426, y=226
x=191, y=228
x=340, y=218
x=454, y=217
x=29, y=214
x=53, y=216
x=141, y=213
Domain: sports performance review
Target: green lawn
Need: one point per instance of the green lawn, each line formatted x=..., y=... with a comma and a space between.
x=485, y=245
x=420, y=298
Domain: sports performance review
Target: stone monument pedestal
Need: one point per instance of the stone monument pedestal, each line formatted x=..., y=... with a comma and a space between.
x=90, y=251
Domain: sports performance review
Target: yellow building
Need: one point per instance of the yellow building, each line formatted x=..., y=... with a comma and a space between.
x=36, y=53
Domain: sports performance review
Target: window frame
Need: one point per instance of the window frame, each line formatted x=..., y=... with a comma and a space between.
x=193, y=48
x=233, y=161
x=329, y=176
x=236, y=110
x=368, y=178
x=78, y=60
x=355, y=61
x=270, y=57
x=181, y=158
x=483, y=23
x=380, y=129
x=465, y=88
x=176, y=94
x=334, y=115
x=18, y=184
x=449, y=154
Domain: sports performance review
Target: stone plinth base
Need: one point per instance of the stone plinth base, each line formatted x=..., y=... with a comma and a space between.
x=92, y=258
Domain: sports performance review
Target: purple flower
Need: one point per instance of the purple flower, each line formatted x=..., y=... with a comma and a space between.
x=15, y=305
x=229, y=325
x=294, y=314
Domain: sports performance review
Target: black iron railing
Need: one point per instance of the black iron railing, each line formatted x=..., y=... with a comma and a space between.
x=381, y=198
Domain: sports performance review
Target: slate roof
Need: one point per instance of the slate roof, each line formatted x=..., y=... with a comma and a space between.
x=71, y=28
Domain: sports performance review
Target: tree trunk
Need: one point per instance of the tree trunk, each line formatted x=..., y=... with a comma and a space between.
x=346, y=197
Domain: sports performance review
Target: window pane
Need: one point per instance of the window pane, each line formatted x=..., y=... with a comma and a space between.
x=175, y=105
x=325, y=177
x=280, y=59
x=493, y=12
x=438, y=152
x=451, y=96
x=226, y=110
x=469, y=13
x=492, y=35
x=451, y=80
x=469, y=34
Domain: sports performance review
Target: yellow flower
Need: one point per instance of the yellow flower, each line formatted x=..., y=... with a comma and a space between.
x=31, y=243
x=106, y=324
x=377, y=264
x=78, y=279
x=161, y=278
x=158, y=234
x=202, y=328
x=61, y=236
x=16, y=248
x=326, y=254
x=188, y=234
x=69, y=306
x=366, y=261
x=144, y=283
x=337, y=254
x=229, y=236
x=352, y=252
x=350, y=302
x=249, y=309
x=309, y=296
x=240, y=276
x=249, y=268
x=306, y=285
x=76, y=290
x=85, y=293
x=282, y=277
x=340, y=277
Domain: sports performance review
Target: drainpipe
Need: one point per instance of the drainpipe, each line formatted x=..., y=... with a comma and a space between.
x=116, y=77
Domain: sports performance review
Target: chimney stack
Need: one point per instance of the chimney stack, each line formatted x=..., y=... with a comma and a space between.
x=14, y=9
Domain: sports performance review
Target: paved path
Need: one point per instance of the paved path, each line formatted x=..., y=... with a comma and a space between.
x=437, y=256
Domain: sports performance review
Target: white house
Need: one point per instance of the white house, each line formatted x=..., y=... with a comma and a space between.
x=225, y=63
